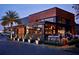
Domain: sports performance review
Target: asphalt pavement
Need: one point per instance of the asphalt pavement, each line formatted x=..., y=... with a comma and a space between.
x=23, y=48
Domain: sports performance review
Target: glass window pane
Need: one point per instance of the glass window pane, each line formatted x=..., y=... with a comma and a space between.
x=50, y=19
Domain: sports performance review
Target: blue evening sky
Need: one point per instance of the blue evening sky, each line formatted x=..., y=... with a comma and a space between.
x=24, y=10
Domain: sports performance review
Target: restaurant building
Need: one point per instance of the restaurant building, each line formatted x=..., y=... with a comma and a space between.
x=53, y=21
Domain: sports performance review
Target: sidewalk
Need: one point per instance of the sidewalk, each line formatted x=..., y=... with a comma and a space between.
x=72, y=49
x=63, y=47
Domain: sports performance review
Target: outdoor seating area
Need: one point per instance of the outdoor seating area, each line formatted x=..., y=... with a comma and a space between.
x=55, y=40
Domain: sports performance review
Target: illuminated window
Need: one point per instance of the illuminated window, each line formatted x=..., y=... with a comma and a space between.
x=53, y=31
x=49, y=29
x=61, y=30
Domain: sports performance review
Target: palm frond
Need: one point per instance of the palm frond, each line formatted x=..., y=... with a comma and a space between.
x=10, y=18
x=4, y=18
x=12, y=14
x=4, y=23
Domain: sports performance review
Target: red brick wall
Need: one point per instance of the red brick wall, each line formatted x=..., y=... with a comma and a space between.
x=53, y=12
x=67, y=15
x=21, y=31
x=41, y=15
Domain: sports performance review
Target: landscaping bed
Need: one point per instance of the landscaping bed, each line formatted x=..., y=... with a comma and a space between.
x=53, y=43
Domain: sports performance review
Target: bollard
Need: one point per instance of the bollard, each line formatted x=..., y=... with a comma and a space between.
x=29, y=40
x=23, y=40
x=14, y=38
x=36, y=41
x=18, y=39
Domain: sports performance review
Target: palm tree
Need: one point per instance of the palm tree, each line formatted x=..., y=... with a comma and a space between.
x=4, y=22
x=11, y=17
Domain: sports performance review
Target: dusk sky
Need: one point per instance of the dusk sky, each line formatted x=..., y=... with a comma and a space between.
x=24, y=10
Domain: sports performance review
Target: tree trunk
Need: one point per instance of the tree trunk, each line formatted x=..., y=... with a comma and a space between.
x=11, y=32
x=4, y=29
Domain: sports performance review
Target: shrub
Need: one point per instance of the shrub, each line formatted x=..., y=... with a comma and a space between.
x=73, y=42
x=32, y=41
x=77, y=45
x=41, y=41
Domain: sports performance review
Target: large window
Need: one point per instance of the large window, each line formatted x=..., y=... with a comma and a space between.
x=52, y=19
x=49, y=29
x=61, y=30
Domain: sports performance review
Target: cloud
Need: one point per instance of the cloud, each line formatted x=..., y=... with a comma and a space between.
x=77, y=21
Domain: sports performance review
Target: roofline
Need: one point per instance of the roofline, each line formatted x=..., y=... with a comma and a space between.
x=64, y=10
x=50, y=9
x=42, y=11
